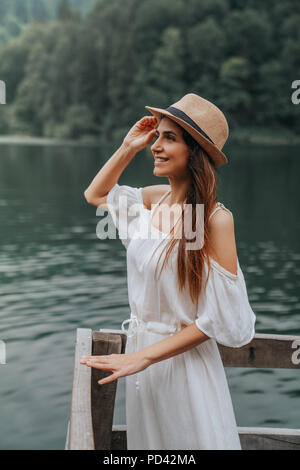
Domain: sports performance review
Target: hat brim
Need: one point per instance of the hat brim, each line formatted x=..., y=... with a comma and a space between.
x=217, y=155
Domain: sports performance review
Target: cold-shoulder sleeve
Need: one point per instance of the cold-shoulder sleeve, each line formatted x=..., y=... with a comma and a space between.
x=124, y=205
x=224, y=313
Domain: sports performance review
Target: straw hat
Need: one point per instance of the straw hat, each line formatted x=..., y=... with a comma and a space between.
x=203, y=120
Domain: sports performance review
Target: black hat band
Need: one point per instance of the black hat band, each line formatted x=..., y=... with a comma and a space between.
x=180, y=114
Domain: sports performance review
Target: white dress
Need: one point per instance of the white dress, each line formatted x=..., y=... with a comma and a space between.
x=182, y=402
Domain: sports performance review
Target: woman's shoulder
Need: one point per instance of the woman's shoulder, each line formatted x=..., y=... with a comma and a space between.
x=152, y=194
x=222, y=239
x=220, y=214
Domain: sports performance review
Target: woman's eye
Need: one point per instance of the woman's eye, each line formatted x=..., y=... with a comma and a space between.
x=169, y=137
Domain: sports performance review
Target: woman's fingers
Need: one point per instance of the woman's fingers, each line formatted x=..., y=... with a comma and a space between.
x=148, y=121
x=85, y=359
x=108, y=379
x=98, y=362
x=99, y=365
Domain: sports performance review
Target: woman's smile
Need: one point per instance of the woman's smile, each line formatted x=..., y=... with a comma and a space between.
x=161, y=160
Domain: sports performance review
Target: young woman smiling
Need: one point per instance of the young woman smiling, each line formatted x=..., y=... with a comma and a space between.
x=177, y=396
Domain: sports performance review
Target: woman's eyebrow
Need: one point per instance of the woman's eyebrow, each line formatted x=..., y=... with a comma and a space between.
x=167, y=132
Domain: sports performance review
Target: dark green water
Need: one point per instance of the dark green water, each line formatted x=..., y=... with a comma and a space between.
x=56, y=276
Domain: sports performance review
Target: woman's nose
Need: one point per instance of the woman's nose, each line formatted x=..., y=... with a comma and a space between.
x=156, y=146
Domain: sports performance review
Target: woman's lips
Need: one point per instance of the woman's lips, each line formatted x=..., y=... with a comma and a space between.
x=164, y=160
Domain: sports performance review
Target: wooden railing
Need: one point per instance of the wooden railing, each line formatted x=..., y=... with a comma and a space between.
x=92, y=406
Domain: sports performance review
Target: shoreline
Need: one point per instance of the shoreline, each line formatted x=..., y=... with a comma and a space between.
x=237, y=136
x=30, y=140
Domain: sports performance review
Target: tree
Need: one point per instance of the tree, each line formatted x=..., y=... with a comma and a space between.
x=13, y=25
x=21, y=10
x=39, y=10
x=234, y=96
x=5, y=8
x=64, y=12
x=4, y=36
x=167, y=70
x=78, y=122
x=13, y=59
x=206, y=44
x=249, y=35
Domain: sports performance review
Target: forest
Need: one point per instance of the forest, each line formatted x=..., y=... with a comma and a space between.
x=85, y=69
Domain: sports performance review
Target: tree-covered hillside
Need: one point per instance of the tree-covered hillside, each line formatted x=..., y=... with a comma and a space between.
x=93, y=75
x=14, y=14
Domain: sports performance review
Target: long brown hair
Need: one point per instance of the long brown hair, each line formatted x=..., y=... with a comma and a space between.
x=202, y=190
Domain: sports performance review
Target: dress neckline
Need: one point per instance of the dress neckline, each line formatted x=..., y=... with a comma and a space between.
x=150, y=211
x=157, y=203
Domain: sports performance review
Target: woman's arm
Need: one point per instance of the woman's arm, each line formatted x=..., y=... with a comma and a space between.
x=189, y=337
x=122, y=365
x=109, y=174
x=139, y=136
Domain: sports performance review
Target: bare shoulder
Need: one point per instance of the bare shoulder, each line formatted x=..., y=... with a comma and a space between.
x=222, y=236
x=151, y=194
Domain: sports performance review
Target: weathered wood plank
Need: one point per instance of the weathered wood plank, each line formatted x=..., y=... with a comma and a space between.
x=118, y=332
x=119, y=437
x=269, y=439
x=264, y=351
x=103, y=396
x=81, y=436
x=251, y=438
x=67, y=443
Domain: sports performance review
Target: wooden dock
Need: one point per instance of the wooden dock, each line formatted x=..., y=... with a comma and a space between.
x=92, y=406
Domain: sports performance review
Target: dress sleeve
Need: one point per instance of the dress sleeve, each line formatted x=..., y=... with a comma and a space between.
x=124, y=204
x=224, y=313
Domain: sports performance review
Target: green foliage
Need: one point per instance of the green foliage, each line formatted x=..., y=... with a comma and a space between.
x=4, y=36
x=14, y=14
x=72, y=74
x=12, y=25
x=235, y=97
x=64, y=12
x=78, y=122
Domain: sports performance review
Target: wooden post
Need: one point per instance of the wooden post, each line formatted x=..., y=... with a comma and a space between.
x=103, y=396
x=81, y=436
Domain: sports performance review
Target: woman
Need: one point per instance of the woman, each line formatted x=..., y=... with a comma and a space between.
x=177, y=396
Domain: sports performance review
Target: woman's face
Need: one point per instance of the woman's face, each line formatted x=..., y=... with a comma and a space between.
x=169, y=144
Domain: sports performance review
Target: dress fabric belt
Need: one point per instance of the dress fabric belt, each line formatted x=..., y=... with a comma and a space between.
x=136, y=324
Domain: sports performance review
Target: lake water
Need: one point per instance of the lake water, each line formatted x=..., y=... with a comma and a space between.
x=56, y=276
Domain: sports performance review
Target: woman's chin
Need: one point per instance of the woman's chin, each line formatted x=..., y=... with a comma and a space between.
x=160, y=172
x=160, y=175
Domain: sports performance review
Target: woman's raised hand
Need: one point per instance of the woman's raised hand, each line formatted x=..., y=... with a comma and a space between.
x=141, y=134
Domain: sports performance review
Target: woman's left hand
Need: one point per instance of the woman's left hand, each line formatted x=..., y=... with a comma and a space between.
x=120, y=364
